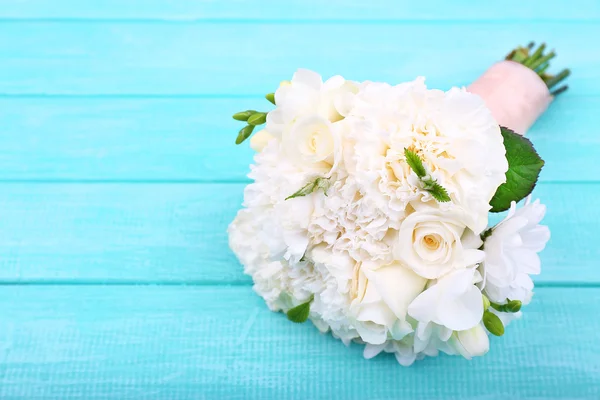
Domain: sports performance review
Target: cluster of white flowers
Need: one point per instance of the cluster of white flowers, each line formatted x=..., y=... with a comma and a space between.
x=377, y=257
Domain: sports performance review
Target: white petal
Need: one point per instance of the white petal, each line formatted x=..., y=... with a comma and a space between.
x=334, y=82
x=259, y=140
x=472, y=257
x=371, y=350
x=400, y=329
x=308, y=78
x=423, y=308
x=473, y=342
x=398, y=286
x=464, y=312
x=371, y=333
x=404, y=360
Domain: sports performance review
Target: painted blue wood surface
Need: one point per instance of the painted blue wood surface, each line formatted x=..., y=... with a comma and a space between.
x=300, y=10
x=133, y=232
x=118, y=178
x=167, y=139
x=95, y=342
x=240, y=59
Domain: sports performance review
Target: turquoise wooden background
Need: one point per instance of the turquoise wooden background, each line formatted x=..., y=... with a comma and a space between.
x=118, y=177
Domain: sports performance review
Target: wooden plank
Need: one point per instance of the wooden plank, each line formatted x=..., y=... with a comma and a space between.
x=118, y=232
x=157, y=139
x=215, y=342
x=294, y=10
x=177, y=233
x=81, y=58
x=123, y=139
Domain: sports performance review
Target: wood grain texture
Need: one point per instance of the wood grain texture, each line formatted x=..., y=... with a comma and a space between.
x=175, y=139
x=81, y=58
x=118, y=169
x=177, y=233
x=293, y=10
x=118, y=232
x=182, y=343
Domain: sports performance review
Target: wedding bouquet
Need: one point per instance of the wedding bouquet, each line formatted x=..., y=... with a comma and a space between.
x=369, y=209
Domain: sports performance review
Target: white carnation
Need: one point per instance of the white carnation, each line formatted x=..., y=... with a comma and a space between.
x=347, y=221
x=454, y=134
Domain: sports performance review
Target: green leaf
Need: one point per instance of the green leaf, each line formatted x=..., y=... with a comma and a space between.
x=257, y=118
x=319, y=183
x=243, y=115
x=323, y=184
x=304, y=190
x=244, y=134
x=300, y=313
x=437, y=191
x=493, y=323
x=524, y=166
x=414, y=162
x=271, y=97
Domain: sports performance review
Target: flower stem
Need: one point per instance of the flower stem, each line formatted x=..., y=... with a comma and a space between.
x=537, y=54
x=558, y=78
x=542, y=68
x=541, y=60
x=559, y=90
x=539, y=63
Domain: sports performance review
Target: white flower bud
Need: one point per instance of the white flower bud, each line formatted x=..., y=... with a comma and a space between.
x=473, y=342
x=259, y=140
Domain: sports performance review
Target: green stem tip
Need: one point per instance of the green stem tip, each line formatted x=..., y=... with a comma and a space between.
x=542, y=60
x=535, y=56
x=562, y=75
x=539, y=63
x=559, y=90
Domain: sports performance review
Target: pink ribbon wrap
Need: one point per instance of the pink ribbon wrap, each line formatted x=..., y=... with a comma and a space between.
x=515, y=94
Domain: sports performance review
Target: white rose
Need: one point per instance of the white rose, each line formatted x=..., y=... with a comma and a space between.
x=453, y=301
x=472, y=342
x=511, y=253
x=312, y=141
x=307, y=95
x=433, y=243
x=380, y=300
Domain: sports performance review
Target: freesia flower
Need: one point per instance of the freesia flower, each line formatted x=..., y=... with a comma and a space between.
x=511, y=253
x=453, y=301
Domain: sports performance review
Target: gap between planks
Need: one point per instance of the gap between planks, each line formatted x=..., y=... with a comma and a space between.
x=299, y=21
x=212, y=283
x=26, y=181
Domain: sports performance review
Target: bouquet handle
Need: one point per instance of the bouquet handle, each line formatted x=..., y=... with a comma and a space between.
x=518, y=89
